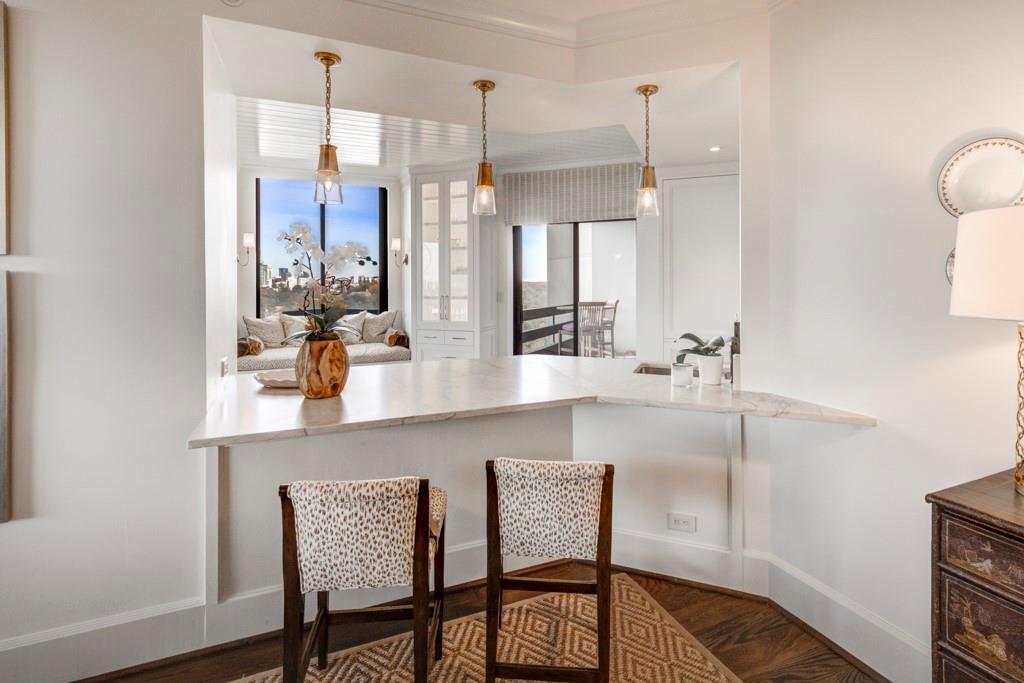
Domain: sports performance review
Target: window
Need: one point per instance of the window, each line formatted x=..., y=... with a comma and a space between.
x=359, y=227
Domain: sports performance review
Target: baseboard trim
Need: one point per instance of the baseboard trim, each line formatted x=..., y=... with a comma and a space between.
x=868, y=637
x=37, y=637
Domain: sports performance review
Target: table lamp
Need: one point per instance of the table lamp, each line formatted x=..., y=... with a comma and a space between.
x=988, y=282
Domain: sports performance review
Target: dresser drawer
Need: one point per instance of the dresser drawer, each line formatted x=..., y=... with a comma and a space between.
x=952, y=671
x=459, y=338
x=987, y=627
x=990, y=557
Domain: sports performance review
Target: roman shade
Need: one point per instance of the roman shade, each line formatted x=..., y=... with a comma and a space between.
x=566, y=195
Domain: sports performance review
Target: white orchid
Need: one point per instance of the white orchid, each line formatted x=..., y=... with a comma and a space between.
x=336, y=257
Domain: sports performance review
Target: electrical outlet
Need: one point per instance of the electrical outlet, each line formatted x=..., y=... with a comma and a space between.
x=678, y=521
x=224, y=366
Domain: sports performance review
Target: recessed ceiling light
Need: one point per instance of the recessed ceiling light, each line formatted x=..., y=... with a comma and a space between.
x=716, y=148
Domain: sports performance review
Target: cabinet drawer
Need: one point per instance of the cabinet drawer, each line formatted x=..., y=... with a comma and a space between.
x=459, y=338
x=430, y=337
x=444, y=352
x=990, y=557
x=952, y=671
x=987, y=627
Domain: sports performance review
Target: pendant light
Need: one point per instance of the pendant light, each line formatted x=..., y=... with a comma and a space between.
x=647, y=192
x=483, y=198
x=328, y=179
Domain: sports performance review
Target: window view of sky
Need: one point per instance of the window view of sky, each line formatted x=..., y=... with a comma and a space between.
x=354, y=225
x=535, y=253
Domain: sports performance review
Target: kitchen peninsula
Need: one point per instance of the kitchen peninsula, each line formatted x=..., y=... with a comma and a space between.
x=392, y=394
x=674, y=449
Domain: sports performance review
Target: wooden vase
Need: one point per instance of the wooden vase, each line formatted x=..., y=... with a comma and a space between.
x=321, y=368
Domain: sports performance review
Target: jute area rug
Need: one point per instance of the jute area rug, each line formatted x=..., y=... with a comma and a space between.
x=648, y=645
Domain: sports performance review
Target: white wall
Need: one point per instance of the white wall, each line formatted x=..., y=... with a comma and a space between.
x=220, y=160
x=869, y=99
x=608, y=271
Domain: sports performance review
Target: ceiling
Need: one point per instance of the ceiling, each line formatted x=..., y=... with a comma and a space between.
x=576, y=23
x=286, y=134
x=398, y=110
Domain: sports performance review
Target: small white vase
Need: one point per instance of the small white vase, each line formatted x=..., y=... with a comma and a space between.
x=710, y=369
x=682, y=374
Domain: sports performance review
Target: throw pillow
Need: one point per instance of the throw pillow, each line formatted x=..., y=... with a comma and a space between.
x=350, y=327
x=293, y=324
x=250, y=346
x=269, y=330
x=395, y=337
x=376, y=326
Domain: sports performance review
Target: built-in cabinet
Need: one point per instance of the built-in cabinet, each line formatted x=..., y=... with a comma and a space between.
x=445, y=291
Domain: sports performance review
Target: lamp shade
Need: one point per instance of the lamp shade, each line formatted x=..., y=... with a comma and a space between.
x=988, y=278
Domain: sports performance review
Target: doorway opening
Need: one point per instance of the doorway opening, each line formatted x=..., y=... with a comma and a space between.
x=574, y=289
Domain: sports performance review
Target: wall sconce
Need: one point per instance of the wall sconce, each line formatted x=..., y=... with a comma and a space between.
x=396, y=249
x=248, y=243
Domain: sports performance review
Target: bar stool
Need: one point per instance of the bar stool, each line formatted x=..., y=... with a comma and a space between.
x=538, y=508
x=340, y=535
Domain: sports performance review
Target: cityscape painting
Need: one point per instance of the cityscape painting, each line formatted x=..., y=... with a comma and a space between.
x=355, y=226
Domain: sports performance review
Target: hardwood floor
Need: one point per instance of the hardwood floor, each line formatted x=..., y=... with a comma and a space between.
x=754, y=638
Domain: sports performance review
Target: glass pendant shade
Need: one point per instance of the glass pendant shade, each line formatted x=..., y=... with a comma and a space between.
x=483, y=198
x=328, y=180
x=647, y=193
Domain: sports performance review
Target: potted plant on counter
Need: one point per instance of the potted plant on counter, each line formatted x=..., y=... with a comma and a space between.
x=322, y=363
x=709, y=356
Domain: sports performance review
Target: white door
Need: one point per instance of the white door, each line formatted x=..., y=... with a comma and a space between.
x=702, y=244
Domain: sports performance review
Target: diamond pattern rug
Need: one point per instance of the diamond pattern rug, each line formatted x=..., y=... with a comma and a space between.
x=648, y=645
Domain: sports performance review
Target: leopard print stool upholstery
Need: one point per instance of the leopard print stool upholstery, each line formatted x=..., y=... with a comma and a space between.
x=359, y=534
x=549, y=509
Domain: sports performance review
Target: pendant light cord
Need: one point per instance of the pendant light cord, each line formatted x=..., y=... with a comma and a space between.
x=483, y=98
x=647, y=129
x=327, y=100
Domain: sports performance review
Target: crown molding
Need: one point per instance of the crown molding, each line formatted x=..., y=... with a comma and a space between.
x=595, y=30
x=510, y=22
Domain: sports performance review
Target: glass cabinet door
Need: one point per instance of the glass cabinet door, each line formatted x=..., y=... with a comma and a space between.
x=430, y=259
x=458, y=252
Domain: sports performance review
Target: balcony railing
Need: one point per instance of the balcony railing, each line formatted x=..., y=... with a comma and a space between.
x=543, y=325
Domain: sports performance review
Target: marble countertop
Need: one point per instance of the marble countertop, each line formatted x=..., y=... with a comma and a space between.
x=432, y=391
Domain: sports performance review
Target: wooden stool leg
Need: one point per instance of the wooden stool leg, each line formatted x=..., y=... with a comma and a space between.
x=421, y=587
x=494, y=570
x=293, y=618
x=439, y=595
x=323, y=607
x=604, y=625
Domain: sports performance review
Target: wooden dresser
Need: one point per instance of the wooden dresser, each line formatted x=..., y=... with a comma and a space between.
x=978, y=581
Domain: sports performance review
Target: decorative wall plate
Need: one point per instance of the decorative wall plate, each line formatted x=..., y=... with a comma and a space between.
x=951, y=265
x=987, y=174
x=278, y=379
